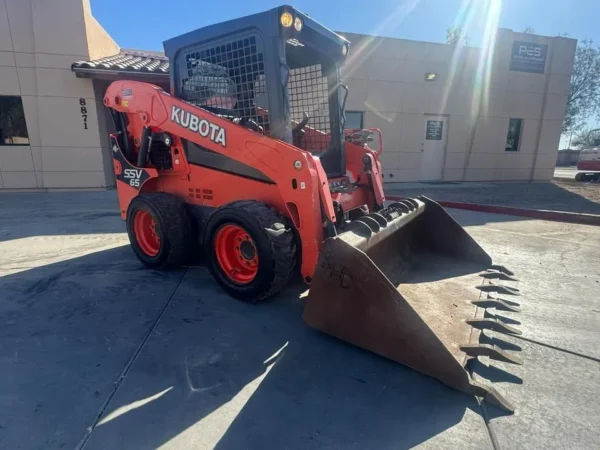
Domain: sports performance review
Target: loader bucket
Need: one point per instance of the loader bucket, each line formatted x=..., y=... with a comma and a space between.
x=410, y=284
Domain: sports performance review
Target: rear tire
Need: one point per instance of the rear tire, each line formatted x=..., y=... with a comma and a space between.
x=580, y=176
x=159, y=230
x=264, y=265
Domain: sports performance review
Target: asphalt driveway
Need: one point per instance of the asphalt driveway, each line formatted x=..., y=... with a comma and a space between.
x=97, y=352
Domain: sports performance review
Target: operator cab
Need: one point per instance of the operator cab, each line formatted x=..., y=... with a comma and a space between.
x=277, y=72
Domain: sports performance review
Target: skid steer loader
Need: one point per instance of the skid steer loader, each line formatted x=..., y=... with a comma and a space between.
x=248, y=161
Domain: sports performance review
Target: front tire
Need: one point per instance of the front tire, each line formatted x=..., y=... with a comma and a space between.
x=159, y=230
x=250, y=250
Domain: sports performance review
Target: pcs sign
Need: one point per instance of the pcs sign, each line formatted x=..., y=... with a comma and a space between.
x=528, y=57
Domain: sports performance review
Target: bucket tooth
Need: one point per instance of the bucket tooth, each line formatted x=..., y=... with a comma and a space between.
x=497, y=303
x=491, y=395
x=499, y=289
x=502, y=269
x=497, y=275
x=503, y=319
x=492, y=372
x=494, y=340
x=505, y=300
x=494, y=325
x=492, y=351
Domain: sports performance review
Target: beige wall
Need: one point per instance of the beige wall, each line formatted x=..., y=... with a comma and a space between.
x=40, y=40
x=38, y=43
x=386, y=78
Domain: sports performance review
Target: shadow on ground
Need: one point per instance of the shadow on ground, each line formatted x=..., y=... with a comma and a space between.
x=214, y=371
x=218, y=372
x=28, y=214
x=68, y=330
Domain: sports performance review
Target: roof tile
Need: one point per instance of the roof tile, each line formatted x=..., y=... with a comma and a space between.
x=128, y=61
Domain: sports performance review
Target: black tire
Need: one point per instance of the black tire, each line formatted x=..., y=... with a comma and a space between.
x=580, y=176
x=172, y=226
x=274, y=242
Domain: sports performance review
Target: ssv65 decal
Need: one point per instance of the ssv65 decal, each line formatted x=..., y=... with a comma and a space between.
x=201, y=126
x=124, y=171
x=133, y=175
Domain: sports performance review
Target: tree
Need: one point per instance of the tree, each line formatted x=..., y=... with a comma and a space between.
x=456, y=36
x=583, y=100
x=529, y=30
x=586, y=138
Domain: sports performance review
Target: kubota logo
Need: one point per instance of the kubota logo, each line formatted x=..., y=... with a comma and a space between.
x=201, y=126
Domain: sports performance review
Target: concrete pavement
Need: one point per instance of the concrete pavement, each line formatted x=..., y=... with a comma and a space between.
x=97, y=352
x=558, y=195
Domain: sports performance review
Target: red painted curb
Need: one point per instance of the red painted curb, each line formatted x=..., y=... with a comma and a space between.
x=541, y=214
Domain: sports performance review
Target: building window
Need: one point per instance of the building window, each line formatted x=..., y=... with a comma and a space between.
x=513, y=137
x=354, y=120
x=13, y=129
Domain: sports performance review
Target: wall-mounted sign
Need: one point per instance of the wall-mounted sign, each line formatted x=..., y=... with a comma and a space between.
x=434, y=130
x=528, y=57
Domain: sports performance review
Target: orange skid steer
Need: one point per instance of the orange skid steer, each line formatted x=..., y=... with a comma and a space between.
x=248, y=161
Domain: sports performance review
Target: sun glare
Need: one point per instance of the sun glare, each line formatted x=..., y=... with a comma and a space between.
x=365, y=48
x=472, y=64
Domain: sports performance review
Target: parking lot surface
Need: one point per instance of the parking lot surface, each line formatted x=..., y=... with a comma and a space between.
x=98, y=352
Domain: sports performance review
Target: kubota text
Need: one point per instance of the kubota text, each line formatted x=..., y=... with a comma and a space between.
x=201, y=126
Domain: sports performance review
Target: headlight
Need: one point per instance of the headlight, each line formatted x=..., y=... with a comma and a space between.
x=298, y=24
x=344, y=49
x=286, y=19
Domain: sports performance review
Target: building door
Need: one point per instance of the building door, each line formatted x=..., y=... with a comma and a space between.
x=433, y=148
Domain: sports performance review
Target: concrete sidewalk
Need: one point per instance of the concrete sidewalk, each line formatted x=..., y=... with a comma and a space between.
x=97, y=352
x=565, y=173
x=554, y=196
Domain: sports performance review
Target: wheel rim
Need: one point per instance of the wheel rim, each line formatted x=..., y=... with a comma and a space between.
x=144, y=228
x=236, y=253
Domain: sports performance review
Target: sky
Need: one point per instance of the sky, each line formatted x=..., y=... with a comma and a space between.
x=146, y=24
